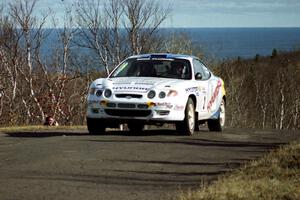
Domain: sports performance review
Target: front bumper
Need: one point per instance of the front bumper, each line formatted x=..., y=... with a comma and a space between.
x=159, y=111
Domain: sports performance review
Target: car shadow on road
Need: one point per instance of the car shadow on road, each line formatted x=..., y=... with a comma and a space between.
x=40, y=134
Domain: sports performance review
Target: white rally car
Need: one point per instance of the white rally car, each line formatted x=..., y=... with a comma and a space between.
x=157, y=89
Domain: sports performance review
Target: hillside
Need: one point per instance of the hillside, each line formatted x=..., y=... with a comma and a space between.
x=263, y=92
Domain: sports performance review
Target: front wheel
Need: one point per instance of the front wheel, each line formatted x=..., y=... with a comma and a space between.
x=219, y=123
x=95, y=126
x=187, y=126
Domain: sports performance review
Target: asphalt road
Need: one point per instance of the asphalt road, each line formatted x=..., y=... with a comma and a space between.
x=156, y=165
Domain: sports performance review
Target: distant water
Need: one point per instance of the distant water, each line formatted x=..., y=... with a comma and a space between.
x=222, y=43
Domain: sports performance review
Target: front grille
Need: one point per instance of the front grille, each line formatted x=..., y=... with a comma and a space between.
x=126, y=105
x=111, y=105
x=142, y=106
x=136, y=96
x=128, y=113
x=95, y=111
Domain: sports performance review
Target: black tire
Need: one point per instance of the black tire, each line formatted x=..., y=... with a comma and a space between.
x=217, y=125
x=95, y=126
x=136, y=127
x=196, y=123
x=187, y=126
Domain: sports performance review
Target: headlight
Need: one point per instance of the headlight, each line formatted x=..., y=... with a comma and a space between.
x=92, y=91
x=107, y=93
x=162, y=95
x=151, y=94
x=99, y=93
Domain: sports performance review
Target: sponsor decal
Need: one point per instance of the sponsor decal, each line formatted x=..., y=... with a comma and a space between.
x=165, y=104
x=131, y=88
x=215, y=94
x=179, y=107
x=191, y=89
x=196, y=89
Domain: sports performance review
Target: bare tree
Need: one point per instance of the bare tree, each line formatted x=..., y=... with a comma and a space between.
x=66, y=37
x=11, y=59
x=31, y=30
x=143, y=17
x=114, y=11
x=178, y=43
x=92, y=30
x=102, y=28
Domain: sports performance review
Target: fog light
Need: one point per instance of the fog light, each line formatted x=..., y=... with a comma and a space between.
x=151, y=104
x=103, y=103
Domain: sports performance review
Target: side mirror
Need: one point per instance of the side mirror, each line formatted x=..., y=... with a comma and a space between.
x=198, y=76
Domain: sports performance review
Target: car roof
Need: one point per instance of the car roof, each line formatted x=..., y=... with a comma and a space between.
x=163, y=56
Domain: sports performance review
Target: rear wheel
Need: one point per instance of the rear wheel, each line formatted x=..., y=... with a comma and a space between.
x=187, y=126
x=218, y=124
x=95, y=126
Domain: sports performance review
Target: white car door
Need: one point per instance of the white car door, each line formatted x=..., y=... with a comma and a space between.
x=202, y=76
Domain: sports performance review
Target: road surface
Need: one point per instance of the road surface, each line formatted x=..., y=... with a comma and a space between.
x=155, y=165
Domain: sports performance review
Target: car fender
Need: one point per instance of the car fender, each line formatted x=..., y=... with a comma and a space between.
x=215, y=100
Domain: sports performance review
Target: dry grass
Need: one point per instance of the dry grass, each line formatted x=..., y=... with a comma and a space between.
x=275, y=176
x=39, y=128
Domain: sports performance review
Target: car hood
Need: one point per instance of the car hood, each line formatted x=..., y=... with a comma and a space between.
x=136, y=84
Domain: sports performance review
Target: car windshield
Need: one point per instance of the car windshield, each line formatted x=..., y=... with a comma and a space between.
x=164, y=68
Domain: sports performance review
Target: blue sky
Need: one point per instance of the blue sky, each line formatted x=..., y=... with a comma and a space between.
x=215, y=13
x=236, y=13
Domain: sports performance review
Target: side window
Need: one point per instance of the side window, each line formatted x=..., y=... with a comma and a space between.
x=197, y=67
x=200, y=68
x=206, y=72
